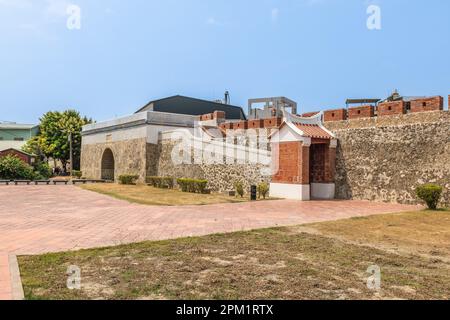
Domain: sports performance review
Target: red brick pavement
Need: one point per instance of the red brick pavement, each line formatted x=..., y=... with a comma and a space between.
x=40, y=219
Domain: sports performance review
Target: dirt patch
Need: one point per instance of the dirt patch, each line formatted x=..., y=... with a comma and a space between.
x=321, y=261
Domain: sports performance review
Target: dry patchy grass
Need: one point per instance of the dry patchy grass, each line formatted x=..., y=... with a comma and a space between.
x=426, y=233
x=320, y=261
x=159, y=197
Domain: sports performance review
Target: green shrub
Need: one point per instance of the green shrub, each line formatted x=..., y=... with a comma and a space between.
x=200, y=186
x=168, y=182
x=161, y=182
x=192, y=185
x=77, y=174
x=192, y=188
x=239, y=188
x=128, y=179
x=157, y=182
x=42, y=171
x=183, y=184
x=431, y=194
x=263, y=190
x=150, y=181
x=189, y=185
x=13, y=168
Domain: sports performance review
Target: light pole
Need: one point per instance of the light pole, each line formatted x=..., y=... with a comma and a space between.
x=71, y=153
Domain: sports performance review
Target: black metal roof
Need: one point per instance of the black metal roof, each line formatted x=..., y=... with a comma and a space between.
x=192, y=106
x=355, y=101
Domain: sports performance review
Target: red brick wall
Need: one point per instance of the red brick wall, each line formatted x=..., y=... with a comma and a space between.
x=19, y=155
x=293, y=163
x=241, y=125
x=206, y=117
x=309, y=114
x=361, y=112
x=219, y=115
x=335, y=115
x=272, y=123
x=391, y=108
x=227, y=126
x=256, y=124
x=427, y=104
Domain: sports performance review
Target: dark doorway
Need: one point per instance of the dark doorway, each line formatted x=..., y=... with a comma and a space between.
x=108, y=165
x=317, y=163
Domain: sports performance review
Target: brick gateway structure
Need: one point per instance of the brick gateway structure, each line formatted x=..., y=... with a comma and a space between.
x=306, y=155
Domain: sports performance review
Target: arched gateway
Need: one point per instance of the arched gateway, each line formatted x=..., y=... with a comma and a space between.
x=108, y=165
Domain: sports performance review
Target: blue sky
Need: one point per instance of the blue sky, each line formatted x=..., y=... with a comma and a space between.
x=317, y=52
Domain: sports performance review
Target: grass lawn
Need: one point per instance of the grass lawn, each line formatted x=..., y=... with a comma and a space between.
x=318, y=261
x=159, y=197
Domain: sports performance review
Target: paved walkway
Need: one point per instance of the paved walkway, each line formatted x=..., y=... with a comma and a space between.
x=40, y=219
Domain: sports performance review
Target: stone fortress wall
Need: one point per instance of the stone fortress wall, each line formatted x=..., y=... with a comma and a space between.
x=221, y=175
x=387, y=152
x=384, y=152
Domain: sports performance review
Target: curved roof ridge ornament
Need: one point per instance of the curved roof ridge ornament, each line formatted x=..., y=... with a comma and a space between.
x=317, y=120
x=291, y=118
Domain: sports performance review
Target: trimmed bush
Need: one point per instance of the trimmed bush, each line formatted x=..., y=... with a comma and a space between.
x=192, y=185
x=150, y=181
x=263, y=190
x=77, y=174
x=168, y=182
x=13, y=168
x=183, y=184
x=161, y=182
x=200, y=186
x=128, y=179
x=157, y=182
x=431, y=194
x=239, y=188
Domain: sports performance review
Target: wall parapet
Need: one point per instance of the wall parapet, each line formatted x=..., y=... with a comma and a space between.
x=394, y=120
x=385, y=108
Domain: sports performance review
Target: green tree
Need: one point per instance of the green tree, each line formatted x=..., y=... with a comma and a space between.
x=11, y=167
x=32, y=146
x=55, y=129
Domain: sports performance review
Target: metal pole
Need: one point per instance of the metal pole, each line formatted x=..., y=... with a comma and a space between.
x=71, y=153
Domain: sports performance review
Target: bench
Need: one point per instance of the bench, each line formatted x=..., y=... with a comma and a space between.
x=83, y=181
x=38, y=182
x=97, y=181
x=55, y=182
x=7, y=182
x=17, y=182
